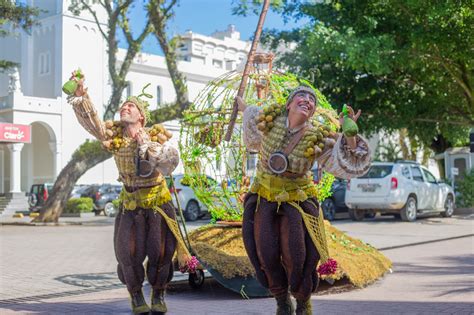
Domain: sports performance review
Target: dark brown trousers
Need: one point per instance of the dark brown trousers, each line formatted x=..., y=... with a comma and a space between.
x=138, y=234
x=279, y=247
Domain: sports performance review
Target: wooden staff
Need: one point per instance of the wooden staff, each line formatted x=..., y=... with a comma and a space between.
x=245, y=74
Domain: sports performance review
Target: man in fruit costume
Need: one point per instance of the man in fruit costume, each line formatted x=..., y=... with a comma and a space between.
x=145, y=224
x=283, y=228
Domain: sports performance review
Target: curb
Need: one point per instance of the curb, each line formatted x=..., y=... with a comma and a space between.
x=463, y=211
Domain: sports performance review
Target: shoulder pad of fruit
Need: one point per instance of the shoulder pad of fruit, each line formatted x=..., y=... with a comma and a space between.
x=113, y=135
x=323, y=128
x=158, y=133
x=317, y=139
x=267, y=116
x=113, y=129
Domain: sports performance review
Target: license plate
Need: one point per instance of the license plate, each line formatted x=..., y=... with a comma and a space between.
x=368, y=187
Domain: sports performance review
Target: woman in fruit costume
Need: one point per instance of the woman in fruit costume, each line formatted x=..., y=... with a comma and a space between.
x=283, y=228
x=145, y=225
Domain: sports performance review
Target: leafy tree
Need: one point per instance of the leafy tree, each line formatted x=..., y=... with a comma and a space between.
x=406, y=64
x=91, y=153
x=14, y=16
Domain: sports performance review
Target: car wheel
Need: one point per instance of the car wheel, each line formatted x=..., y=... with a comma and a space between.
x=408, y=212
x=110, y=210
x=329, y=209
x=356, y=215
x=370, y=214
x=196, y=279
x=448, y=207
x=192, y=211
x=32, y=200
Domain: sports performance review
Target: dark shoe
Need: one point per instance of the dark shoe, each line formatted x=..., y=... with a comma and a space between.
x=139, y=306
x=303, y=307
x=158, y=305
x=284, y=305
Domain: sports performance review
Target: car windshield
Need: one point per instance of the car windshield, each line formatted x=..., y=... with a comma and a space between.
x=378, y=171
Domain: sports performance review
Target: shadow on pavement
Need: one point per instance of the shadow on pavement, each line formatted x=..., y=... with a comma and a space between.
x=187, y=305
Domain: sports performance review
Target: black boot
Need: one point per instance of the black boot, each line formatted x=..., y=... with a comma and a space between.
x=139, y=306
x=158, y=305
x=284, y=305
x=303, y=307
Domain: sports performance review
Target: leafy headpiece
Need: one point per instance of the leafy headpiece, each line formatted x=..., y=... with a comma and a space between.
x=142, y=104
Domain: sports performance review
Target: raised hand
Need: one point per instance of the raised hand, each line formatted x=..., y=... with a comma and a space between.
x=81, y=90
x=351, y=115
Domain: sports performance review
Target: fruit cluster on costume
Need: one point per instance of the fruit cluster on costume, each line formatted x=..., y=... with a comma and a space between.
x=116, y=140
x=267, y=116
x=114, y=135
x=158, y=133
x=317, y=139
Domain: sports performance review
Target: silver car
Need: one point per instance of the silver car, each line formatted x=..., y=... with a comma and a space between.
x=192, y=207
x=405, y=189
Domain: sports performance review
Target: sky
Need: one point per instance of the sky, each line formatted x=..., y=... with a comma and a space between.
x=205, y=17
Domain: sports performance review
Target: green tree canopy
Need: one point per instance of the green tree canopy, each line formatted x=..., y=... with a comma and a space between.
x=406, y=64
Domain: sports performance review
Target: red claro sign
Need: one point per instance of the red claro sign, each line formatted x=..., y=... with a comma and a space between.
x=15, y=133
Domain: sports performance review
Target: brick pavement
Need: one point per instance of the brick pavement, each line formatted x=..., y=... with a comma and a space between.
x=435, y=278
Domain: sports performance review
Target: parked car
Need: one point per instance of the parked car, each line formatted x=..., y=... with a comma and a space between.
x=193, y=209
x=78, y=190
x=403, y=188
x=38, y=195
x=102, y=196
x=335, y=206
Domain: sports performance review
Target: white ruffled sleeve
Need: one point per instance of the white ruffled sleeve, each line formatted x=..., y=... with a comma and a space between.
x=252, y=136
x=344, y=162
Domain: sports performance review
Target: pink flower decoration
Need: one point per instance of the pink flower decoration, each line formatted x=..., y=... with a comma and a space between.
x=191, y=265
x=328, y=268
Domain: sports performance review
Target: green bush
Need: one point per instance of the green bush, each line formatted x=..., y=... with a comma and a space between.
x=466, y=189
x=79, y=205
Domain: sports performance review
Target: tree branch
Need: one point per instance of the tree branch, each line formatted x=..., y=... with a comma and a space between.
x=87, y=6
x=158, y=19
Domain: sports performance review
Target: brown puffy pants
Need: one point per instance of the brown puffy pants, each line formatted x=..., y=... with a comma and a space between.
x=279, y=247
x=138, y=234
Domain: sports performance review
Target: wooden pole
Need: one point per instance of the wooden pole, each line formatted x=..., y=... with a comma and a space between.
x=248, y=65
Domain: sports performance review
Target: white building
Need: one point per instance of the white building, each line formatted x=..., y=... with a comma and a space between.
x=63, y=42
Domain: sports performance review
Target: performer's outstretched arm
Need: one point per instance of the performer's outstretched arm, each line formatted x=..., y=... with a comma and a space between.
x=85, y=111
x=350, y=155
x=252, y=136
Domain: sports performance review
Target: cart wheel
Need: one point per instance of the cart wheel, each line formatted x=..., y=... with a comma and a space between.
x=196, y=280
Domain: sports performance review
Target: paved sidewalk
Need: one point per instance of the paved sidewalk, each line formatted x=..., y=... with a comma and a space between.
x=71, y=270
x=433, y=278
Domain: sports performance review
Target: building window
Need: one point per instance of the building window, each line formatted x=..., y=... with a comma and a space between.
x=44, y=63
x=158, y=95
x=198, y=47
x=127, y=92
x=217, y=63
x=129, y=89
x=461, y=165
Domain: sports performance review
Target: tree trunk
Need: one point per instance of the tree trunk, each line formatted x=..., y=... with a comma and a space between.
x=88, y=155
x=403, y=134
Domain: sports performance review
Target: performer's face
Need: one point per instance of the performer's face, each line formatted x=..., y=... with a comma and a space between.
x=303, y=104
x=129, y=113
